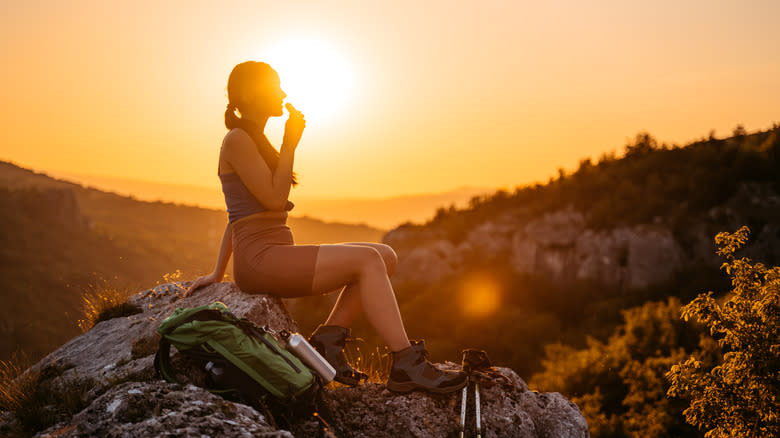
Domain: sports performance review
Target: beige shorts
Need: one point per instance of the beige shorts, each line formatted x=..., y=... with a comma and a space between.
x=266, y=260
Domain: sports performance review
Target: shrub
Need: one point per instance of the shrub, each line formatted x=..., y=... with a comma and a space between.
x=104, y=303
x=741, y=395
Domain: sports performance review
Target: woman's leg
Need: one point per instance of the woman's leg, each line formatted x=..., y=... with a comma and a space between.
x=363, y=270
x=347, y=306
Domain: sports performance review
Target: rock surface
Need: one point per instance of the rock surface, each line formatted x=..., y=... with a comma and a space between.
x=559, y=245
x=144, y=409
x=556, y=245
x=508, y=409
x=113, y=365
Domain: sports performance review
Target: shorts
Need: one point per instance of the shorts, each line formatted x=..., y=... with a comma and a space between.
x=266, y=260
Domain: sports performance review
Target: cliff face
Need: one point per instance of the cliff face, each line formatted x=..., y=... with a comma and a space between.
x=110, y=368
x=558, y=244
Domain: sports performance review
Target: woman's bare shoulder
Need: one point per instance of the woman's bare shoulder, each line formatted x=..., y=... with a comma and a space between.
x=237, y=139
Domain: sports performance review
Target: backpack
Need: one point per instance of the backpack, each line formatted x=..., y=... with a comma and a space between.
x=240, y=359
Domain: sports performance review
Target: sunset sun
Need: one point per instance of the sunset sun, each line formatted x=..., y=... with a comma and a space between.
x=318, y=80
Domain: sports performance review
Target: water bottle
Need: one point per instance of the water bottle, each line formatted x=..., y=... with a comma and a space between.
x=301, y=348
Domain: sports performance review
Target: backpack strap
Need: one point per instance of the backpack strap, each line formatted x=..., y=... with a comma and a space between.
x=162, y=361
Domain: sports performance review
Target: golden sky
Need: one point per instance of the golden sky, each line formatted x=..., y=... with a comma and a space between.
x=437, y=95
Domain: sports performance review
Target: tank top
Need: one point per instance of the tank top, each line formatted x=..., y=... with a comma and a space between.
x=239, y=200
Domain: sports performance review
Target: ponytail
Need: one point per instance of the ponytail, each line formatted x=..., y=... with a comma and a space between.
x=231, y=119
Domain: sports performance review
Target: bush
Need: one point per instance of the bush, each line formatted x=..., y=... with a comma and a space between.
x=741, y=395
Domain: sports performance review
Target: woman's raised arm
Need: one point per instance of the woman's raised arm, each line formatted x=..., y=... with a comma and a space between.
x=271, y=189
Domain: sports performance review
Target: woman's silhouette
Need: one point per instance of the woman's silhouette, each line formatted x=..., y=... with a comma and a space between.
x=256, y=180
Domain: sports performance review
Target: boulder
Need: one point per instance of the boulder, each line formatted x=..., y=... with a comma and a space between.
x=110, y=369
x=149, y=409
x=122, y=348
x=508, y=409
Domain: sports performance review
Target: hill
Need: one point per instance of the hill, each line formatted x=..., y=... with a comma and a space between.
x=61, y=240
x=556, y=262
x=382, y=213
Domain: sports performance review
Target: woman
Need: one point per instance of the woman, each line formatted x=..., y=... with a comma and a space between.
x=256, y=181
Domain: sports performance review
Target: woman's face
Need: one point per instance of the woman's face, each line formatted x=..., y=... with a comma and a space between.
x=267, y=97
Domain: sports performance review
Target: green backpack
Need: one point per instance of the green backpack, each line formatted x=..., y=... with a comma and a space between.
x=249, y=359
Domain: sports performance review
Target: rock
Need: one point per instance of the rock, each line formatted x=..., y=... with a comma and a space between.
x=557, y=229
x=108, y=374
x=490, y=239
x=123, y=348
x=147, y=409
x=600, y=258
x=653, y=255
x=508, y=409
x=523, y=253
x=426, y=264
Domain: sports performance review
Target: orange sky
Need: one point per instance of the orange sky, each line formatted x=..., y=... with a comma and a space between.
x=489, y=94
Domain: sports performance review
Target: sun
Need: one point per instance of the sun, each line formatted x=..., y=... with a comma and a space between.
x=318, y=80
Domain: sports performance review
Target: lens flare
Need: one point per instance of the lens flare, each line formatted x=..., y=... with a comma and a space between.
x=480, y=295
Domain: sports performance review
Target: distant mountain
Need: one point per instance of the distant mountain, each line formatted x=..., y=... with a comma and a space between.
x=383, y=213
x=389, y=212
x=59, y=239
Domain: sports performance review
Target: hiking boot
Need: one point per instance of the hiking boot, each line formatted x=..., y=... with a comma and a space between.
x=411, y=370
x=329, y=341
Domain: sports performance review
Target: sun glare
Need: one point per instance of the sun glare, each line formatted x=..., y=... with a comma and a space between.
x=316, y=78
x=479, y=295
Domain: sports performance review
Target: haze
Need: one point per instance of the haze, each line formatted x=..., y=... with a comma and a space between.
x=442, y=94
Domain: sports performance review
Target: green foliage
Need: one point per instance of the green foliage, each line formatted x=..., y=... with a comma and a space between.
x=741, y=395
x=652, y=180
x=619, y=384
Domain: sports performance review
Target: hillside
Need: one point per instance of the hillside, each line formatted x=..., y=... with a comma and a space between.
x=557, y=262
x=383, y=213
x=60, y=240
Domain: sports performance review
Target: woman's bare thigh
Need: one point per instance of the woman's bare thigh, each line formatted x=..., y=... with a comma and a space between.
x=340, y=264
x=388, y=254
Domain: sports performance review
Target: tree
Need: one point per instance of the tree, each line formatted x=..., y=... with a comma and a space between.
x=741, y=395
x=619, y=385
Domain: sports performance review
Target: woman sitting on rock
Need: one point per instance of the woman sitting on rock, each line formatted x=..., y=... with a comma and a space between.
x=256, y=180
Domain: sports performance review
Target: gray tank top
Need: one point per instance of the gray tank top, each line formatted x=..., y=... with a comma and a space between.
x=239, y=200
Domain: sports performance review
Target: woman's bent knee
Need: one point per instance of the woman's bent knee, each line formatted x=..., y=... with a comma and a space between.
x=372, y=260
x=338, y=265
x=391, y=258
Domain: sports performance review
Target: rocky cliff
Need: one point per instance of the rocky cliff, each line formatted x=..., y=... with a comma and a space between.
x=102, y=383
x=559, y=245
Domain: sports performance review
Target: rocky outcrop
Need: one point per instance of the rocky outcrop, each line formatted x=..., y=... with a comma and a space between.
x=508, y=409
x=560, y=246
x=556, y=245
x=111, y=368
x=151, y=409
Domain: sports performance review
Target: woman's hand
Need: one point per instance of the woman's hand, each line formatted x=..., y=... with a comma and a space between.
x=200, y=282
x=293, y=128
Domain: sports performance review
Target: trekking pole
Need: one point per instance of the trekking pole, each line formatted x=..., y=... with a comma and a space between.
x=476, y=401
x=463, y=410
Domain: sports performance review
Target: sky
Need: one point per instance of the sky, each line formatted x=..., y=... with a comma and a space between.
x=400, y=97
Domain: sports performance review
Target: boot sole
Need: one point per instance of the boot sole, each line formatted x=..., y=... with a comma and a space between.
x=411, y=386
